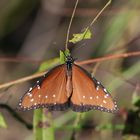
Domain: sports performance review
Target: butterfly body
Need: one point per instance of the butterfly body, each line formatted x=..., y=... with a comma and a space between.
x=68, y=86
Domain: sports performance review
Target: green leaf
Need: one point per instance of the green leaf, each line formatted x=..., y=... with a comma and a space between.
x=2, y=121
x=81, y=36
x=48, y=64
x=63, y=55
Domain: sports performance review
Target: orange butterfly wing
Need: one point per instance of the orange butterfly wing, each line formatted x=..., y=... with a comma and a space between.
x=89, y=94
x=50, y=92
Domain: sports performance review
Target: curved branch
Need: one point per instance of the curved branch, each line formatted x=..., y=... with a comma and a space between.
x=16, y=116
x=24, y=79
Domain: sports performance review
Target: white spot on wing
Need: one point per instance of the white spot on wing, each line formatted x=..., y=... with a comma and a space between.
x=54, y=96
x=97, y=97
x=46, y=96
x=91, y=98
x=39, y=95
x=83, y=96
x=105, y=90
x=32, y=100
x=105, y=96
x=97, y=88
x=38, y=86
x=30, y=88
x=104, y=101
x=30, y=95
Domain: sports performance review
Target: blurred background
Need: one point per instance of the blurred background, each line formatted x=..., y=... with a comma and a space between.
x=35, y=30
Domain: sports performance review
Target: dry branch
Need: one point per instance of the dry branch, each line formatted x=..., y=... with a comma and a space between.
x=109, y=57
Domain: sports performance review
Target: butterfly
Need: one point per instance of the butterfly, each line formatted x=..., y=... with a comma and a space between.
x=68, y=86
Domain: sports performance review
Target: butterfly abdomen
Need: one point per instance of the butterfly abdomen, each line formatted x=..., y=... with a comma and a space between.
x=69, y=86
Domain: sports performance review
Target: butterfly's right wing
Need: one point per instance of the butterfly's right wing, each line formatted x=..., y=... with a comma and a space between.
x=49, y=92
x=88, y=93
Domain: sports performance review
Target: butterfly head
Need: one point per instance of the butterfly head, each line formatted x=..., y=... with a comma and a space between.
x=69, y=59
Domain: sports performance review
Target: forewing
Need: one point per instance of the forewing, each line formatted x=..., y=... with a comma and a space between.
x=49, y=92
x=89, y=94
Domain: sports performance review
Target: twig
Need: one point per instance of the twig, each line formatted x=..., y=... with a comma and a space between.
x=68, y=31
x=109, y=57
x=96, y=17
x=107, y=4
x=95, y=68
x=16, y=116
x=93, y=21
x=21, y=80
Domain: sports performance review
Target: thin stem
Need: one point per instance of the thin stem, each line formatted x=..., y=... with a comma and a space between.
x=95, y=68
x=68, y=31
x=93, y=21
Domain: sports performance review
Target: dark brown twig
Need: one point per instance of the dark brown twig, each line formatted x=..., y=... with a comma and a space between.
x=24, y=79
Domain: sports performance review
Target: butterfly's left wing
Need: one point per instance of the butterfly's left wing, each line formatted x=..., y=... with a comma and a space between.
x=49, y=92
x=89, y=94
